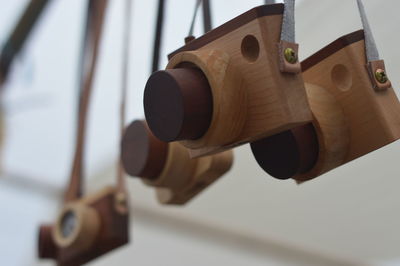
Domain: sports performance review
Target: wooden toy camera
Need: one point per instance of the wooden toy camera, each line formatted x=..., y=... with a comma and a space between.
x=86, y=229
x=355, y=112
x=240, y=83
x=168, y=166
x=227, y=87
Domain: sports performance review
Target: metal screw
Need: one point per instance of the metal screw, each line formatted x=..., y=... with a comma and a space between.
x=290, y=55
x=381, y=76
x=121, y=199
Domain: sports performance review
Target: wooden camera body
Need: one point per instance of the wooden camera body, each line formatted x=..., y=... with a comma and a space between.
x=225, y=88
x=86, y=229
x=168, y=166
x=352, y=116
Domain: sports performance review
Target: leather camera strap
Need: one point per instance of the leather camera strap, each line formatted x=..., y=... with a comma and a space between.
x=207, y=24
x=375, y=66
x=94, y=24
x=206, y=18
x=288, y=22
x=288, y=28
x=370, y=45
x=19, y=35
x=124, y=88
x=196, y=9
x=288, y=49
x=158, y=35
x=207, y=21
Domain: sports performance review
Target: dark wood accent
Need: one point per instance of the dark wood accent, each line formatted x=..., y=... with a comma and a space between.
x=289, y=153
x=47, y=249
x=307, y=142
x=332, y=48
x=257, y=12
x=189, y=38
x=142, y=154
x=178, y=104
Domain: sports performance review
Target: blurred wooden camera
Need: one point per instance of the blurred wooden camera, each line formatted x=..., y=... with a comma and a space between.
x=168, y=166
x=86, y=229
x=226, y=88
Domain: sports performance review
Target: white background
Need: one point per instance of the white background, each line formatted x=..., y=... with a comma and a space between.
x=350, y=214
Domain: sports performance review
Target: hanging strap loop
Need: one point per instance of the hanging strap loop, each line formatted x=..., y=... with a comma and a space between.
x=94, y=25
x=121, y=187
x=288, y=49
x=288, y=22
x=375, y=66
x=370, y=45
x=196, y=9
x=206, y=19
x=158, y=35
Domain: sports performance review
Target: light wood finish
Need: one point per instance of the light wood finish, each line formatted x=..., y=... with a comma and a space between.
x=332, y=131
x=271, y=101
x=98, y=195
x=208, y=169
x=183, y=178
x=228, y=91
x=372, y=117
x=85, y=229
x=102, y=227
x=180, y=177
x=178, y=168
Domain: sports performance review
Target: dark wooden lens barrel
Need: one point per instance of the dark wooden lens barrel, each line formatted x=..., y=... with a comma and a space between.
x=143, y=155
x=178, y=104
x=289, y=153
x=47, y=249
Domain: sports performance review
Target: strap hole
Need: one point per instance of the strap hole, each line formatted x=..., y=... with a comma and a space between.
x=341, y=77
x=250, y=48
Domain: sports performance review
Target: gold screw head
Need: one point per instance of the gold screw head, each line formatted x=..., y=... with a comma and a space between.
x=121, y=198
x=380, y=76
x=121, y=202
x=290, y=55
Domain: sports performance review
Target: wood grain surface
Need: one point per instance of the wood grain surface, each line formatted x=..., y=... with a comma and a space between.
x=252, y=99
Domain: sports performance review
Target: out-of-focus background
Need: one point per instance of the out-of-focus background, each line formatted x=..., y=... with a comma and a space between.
x=350, y=216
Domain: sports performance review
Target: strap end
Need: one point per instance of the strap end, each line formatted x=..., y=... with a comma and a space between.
x=377, y=73
x=288, y=57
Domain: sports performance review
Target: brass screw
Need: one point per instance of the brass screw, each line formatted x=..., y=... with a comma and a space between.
x=381, y=76
x=290, y=55
x=121, y=203
x=121, y=199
